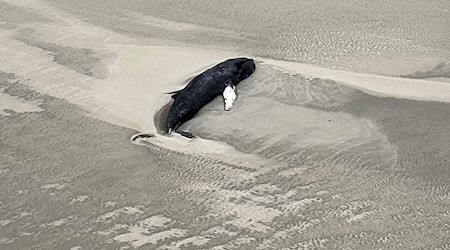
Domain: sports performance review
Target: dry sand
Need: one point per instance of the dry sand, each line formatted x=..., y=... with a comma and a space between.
x=340, y=139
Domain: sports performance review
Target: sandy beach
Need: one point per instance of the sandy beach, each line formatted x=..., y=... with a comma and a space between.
x=339, y=140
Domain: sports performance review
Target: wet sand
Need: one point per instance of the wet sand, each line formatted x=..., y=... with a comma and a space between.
x=339, y=140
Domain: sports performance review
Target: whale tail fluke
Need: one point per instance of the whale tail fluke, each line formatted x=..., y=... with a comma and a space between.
x=182, y=133
x=186, y=134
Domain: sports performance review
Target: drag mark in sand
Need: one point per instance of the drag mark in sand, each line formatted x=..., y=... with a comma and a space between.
x=10, y=101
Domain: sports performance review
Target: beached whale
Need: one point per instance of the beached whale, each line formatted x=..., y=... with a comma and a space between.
x=220, y=79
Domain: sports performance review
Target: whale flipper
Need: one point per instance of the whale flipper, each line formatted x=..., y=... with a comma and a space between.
x=229, y=97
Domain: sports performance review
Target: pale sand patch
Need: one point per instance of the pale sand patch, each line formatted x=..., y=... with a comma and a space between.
x=192, y=241
x=237, y=243
x=14, y=218
x=109, y=204
x=79, y=198
x=293, y=171
x=4, y=222
x=118, y=212
x=57, y=223
x=51, y=186
x=415, y=89
x=137, y=236
x=200, y=240
x=299, y=205
x=17, y=105
x=147, y=225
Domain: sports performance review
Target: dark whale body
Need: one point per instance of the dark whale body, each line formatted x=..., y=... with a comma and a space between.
x=204, y=88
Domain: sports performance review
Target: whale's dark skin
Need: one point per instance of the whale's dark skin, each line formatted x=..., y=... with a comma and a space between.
x=204, y=88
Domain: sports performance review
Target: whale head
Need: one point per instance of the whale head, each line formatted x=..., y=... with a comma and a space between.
x=247, y=68
x=229, y=96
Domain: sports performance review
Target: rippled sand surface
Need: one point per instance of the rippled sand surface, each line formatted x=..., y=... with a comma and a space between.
x=340, y=139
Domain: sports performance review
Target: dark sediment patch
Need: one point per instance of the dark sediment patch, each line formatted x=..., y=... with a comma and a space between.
x=82, y=60
x=441, y=70
x=10, y=84
x=420, y=130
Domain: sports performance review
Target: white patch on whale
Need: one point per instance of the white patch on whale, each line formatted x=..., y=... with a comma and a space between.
x=229, y=96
